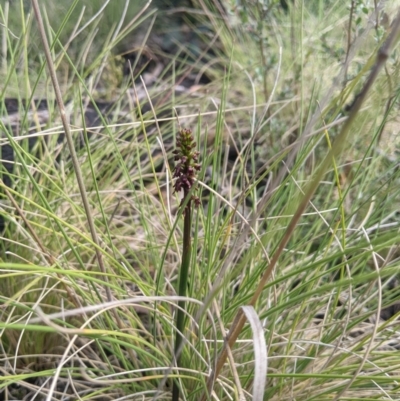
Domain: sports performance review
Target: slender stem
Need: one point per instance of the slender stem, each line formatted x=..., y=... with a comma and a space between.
x=349, y=38
x=70, y=142
x=182, y=289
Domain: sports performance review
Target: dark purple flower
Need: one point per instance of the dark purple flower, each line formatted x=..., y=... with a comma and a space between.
x=187, y=163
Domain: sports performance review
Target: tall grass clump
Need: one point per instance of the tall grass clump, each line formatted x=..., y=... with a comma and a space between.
x=283, y=284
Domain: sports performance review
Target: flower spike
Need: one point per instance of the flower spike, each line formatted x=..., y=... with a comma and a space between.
x=187, y=163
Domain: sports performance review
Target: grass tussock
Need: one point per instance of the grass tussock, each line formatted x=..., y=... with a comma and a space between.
x=294, y=256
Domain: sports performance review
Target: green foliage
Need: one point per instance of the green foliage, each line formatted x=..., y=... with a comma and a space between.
x=274, y=107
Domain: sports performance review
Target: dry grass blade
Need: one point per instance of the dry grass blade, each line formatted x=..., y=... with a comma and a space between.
x=70, y=142
x=260, y=353
x=240, y=319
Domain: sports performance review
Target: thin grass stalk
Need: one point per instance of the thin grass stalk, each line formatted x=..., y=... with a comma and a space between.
x=240, y=318
x=70, y=143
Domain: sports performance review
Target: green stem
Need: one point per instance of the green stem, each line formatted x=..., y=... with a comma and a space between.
x=182, y=288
